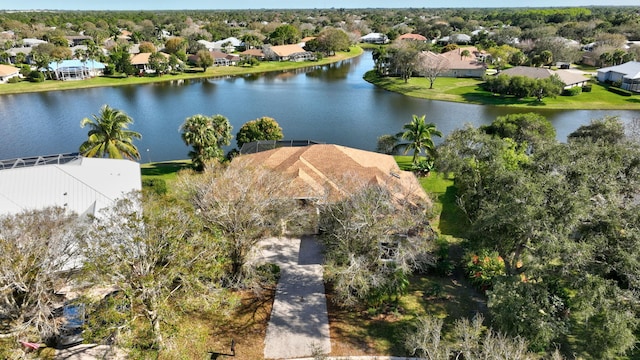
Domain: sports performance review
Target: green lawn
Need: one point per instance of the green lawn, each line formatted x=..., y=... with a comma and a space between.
x=469, y=91
x=267, y=66
x=167, y=170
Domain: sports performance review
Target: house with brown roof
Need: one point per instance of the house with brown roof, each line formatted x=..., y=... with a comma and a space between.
x=141, y=61
x=256, y=53
x=7, y=72
x=457, y=64
x=292, y=52
x=328, y=173
x=223, y=59
x=568, y=77
x=465, y=64
x=412, y=37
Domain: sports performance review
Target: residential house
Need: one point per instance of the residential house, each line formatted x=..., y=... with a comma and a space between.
x=413, y=37
x=80, y=185
x=374, y=38
x=627, y=74
x=75, y=40
x=226, y=45
x=468, y=65
x=76, y=69
x=460, y=39
x=454, y=64
x=287, y=53
x=328, y=173
x=141, y=61
x=7, y=72
x=32, y=42
x=224, y=59
x=568, y=77
x=256, y=53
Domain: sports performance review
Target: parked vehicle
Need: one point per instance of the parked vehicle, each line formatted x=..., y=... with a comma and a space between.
x=73, y=317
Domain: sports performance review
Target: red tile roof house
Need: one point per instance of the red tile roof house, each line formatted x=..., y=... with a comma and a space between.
x=7, y=72
x=328, y=173
x=568, y=77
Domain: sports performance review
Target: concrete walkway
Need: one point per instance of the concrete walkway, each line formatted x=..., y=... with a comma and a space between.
x=299, y=324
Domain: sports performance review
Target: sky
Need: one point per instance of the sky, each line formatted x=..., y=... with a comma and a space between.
x=293, y=4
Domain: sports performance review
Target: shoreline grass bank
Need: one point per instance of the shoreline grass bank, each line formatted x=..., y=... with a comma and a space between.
x=212, y=72
x=469, y=91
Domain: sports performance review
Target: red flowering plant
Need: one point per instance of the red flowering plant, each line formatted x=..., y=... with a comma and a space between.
x=483, y=267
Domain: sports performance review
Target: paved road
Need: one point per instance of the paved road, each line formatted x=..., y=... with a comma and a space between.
x=299, y=324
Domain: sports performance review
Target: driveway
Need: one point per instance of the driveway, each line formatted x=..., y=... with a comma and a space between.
x=299, y=323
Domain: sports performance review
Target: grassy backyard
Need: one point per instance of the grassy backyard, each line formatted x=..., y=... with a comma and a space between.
x=217, y=71
x=468, y=90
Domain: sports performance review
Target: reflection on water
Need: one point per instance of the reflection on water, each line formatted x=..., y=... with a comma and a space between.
x=329, y=103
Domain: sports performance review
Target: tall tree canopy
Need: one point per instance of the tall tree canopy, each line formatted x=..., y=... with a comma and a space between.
x=109, y=135
x=565, y=221
x=284, y=34
x=264, y=128
x=524, y=128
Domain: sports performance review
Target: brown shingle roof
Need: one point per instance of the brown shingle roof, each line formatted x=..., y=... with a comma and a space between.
x=566, y=76
x=325, y=171
x=287, y=50
x=416, y=37
x=532, y=72
x=143, y=58
x=457, y=61
x=6, y=70
x=253, y=52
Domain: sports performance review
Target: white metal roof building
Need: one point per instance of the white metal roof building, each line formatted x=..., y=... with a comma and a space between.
x=81, y=185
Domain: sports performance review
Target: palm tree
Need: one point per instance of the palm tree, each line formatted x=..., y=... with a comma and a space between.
x=419, y=134
x=109, y=135
x=206, y=135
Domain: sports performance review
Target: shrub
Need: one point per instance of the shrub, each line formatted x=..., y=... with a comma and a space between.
x=483, y=268
x=586, y=88
x=159, y=186
x=619, y=91
x=109, y=69
x=576, y=90
x=444, y=266
x=36, y=76
x=14, y=80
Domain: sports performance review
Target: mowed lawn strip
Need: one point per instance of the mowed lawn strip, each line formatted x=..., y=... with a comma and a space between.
x=468, y=90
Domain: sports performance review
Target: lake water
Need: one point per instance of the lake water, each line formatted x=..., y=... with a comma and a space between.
x=331, y=104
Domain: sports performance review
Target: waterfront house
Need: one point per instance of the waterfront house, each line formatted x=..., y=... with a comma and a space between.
x=569, y=78
x=7, y=72
x=328, y=173
x=627, y=74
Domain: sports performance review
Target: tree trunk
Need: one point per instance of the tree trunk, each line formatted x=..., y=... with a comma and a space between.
x=151, y=304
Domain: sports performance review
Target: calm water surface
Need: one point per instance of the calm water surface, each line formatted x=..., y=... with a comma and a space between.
x=331, y=104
